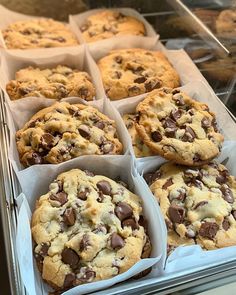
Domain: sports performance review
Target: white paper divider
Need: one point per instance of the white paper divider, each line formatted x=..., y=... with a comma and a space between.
x=24, y=112
x=76, y=58
x=191, y=257
x=111, y=166
x=8, y=17
x=77, y=20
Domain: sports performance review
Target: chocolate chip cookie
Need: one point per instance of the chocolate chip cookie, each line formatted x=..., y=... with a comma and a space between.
x=130, y=72
x=198, y=204
x=36, y=33
x=178, y=128
x=107, y=23
x=55, y=83
x=87, y=228
x=64, y=131
x=226, y=23
x=140, y=149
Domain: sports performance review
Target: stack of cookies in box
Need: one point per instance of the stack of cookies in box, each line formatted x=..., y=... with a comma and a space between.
x=89, y=227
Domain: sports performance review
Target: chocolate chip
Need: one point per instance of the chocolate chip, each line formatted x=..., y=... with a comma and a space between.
x=84, y=243
x=32, y=123
x=83, y=92
x=156, y=136
x=140, y=80
x=214, y=124
x=179, y=101
x=69, y=216
x=69, y=280
x=60, y=197
x=222, y=177
x=168, y=183
x=200, y=204
x=116, y=75
x=176, y=213
x=59, y=39
x=151, y=177
x=227, y=194
x=84, y=131
x=234, y=214
x=206, y=123
x=197, y=158
x=44, y=249
x=135, y=89
x=189, y=134
x=88, y=276
x=105, y=187
x=74, y=113
x=83, y=194
x=107, y=147
x=69, y=256
x=208, y=230
x=88, y=173
x=130, y=222
x=225, y=224
x=34, y=159
x=47, y=140
x=143, y=222
x=150, y=85
x=170, y=132
x=169, y=123
x=123, y=210
x=176, y=114
x=100, y=229
x=100, y=197
x=174, y=91
x=118, y=59
x=101, y=125
x=116, y=241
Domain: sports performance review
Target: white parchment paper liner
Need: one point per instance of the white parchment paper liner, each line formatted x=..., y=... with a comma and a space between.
x=190, y=257
x=197, y=90
x=78, y=19
x=8, y=17
x=76, y=58
x=18, y=117
x=40, y=178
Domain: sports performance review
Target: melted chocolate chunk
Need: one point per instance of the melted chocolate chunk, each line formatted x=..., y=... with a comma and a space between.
x=169, y=123
x=118, y=59
x=234, y=214
x=47, y=140
x=176, y=214
x=176, y=114
x=105, y=187
x=208, y=230
x=101, y=125
x=69, y=216
x=69, y=280
x=227, y=194
x=222, y=177
x=168, y=183
x=34, y=159
x=69, y=256
x=156, y=136
x=117, y=241
x=84, y=131
x=206, y=123
x=140, y=80
x=151, y=177
x=84, y=243
x=226, y=224
x=88, y=276
x=200, y=204
x=60, y=197
x=189, y=135
x=123, y=210
x=83, y=194
x=130, y=222
x=150, y=85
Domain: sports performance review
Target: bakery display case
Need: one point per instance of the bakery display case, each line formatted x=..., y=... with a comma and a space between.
x=87, y=78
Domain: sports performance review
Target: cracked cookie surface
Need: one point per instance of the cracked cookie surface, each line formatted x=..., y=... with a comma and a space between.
x=140, y=149
x=108, y=23
x=130, y=72
x=198, y=204
x=87, y=228
x=55, y=83
x=38, y=33
x=64, y=131
x=178, y=128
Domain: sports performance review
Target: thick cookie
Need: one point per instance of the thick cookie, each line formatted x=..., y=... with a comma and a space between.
x=226, y=23
x=130, y=72
x=108, y=23
x=87, y=228
x=140, y=149
x=54, y=83
x=178, y=128
x=36, y=33
x=63, y=131
x=198, y=204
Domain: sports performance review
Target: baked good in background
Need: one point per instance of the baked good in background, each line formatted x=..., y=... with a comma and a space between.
x=38, y=33
x=134, y=71
x=109, y=23
x=64, y=131
x=56, y=83
x=226, y=23
x=87, y=228
x=198, y=204
x=140, y=149
x=178, y=128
